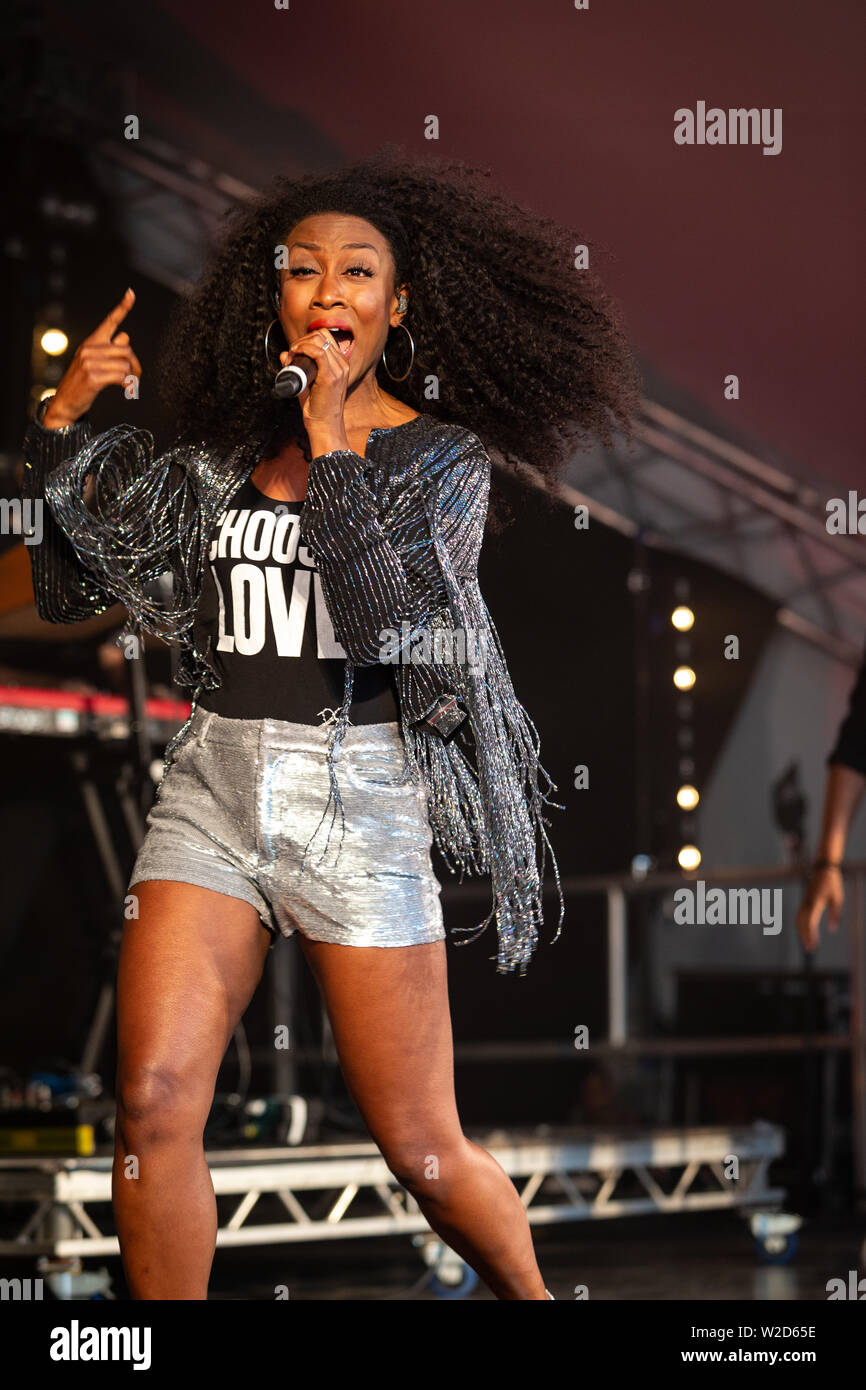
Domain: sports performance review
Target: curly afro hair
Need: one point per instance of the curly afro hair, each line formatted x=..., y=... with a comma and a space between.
x=528, y=352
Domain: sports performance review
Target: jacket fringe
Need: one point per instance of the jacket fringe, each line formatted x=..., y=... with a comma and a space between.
x=486, y=813
x=486, y=816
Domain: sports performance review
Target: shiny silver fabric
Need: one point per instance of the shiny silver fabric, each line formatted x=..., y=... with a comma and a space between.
x=239, y=806
x=397, y=535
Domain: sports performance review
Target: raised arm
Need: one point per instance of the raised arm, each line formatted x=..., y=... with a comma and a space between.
x=65, y=589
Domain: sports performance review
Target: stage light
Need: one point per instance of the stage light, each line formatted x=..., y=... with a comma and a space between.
x=682, y=618
x=689, y=857
x=641, y=865
x=684, y=678
x=54, y=342
x=688, y=797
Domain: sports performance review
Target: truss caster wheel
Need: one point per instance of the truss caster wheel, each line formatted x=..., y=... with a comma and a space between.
x=468, y=1282
x=777, y=1250
x=776, y=1236
x=450, y=1276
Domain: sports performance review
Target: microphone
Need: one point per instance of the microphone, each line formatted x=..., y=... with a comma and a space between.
x=291, y=381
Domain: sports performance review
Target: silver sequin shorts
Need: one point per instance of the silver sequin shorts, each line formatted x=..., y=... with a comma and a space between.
x=243, y=797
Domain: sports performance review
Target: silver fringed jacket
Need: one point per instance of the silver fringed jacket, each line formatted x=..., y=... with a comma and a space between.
x=396, y=535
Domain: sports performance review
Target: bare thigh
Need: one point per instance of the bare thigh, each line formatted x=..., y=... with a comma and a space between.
x=390, y=1016
x=189, y=965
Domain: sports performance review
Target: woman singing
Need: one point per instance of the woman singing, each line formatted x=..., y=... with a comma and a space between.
x=346, y=676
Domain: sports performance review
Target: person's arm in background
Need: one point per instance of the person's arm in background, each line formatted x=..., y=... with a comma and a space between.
x=843, y=793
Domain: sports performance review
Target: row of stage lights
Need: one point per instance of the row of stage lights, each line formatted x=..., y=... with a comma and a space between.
x=50, y=343
x=53, y=343
x=60, y=215
x=684, y=678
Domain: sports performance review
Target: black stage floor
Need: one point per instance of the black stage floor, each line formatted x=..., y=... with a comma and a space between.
x=680, y=1258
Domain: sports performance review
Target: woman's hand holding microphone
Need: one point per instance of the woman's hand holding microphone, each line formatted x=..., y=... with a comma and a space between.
x=323, y=403
x=101, y=360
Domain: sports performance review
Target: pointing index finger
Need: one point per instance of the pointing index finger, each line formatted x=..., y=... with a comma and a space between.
x=112, y=321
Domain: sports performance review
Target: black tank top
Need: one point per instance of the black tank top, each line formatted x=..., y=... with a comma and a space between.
x=275, y=648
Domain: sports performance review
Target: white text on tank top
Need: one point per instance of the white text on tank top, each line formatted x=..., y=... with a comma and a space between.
x=256, y=601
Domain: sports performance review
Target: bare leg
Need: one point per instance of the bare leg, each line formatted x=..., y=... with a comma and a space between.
x=389, y=1013
x=188, y=968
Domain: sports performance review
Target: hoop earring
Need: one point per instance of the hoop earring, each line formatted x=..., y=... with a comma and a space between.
x=411, y=359
x=267, y=347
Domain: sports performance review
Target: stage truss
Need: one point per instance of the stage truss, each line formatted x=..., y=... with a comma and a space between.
x=346, y=1190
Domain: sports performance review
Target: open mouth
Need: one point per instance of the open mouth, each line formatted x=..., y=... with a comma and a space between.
x=345, y=339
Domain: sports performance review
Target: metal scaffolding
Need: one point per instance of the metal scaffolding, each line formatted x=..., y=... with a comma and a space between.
x=688, y=490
